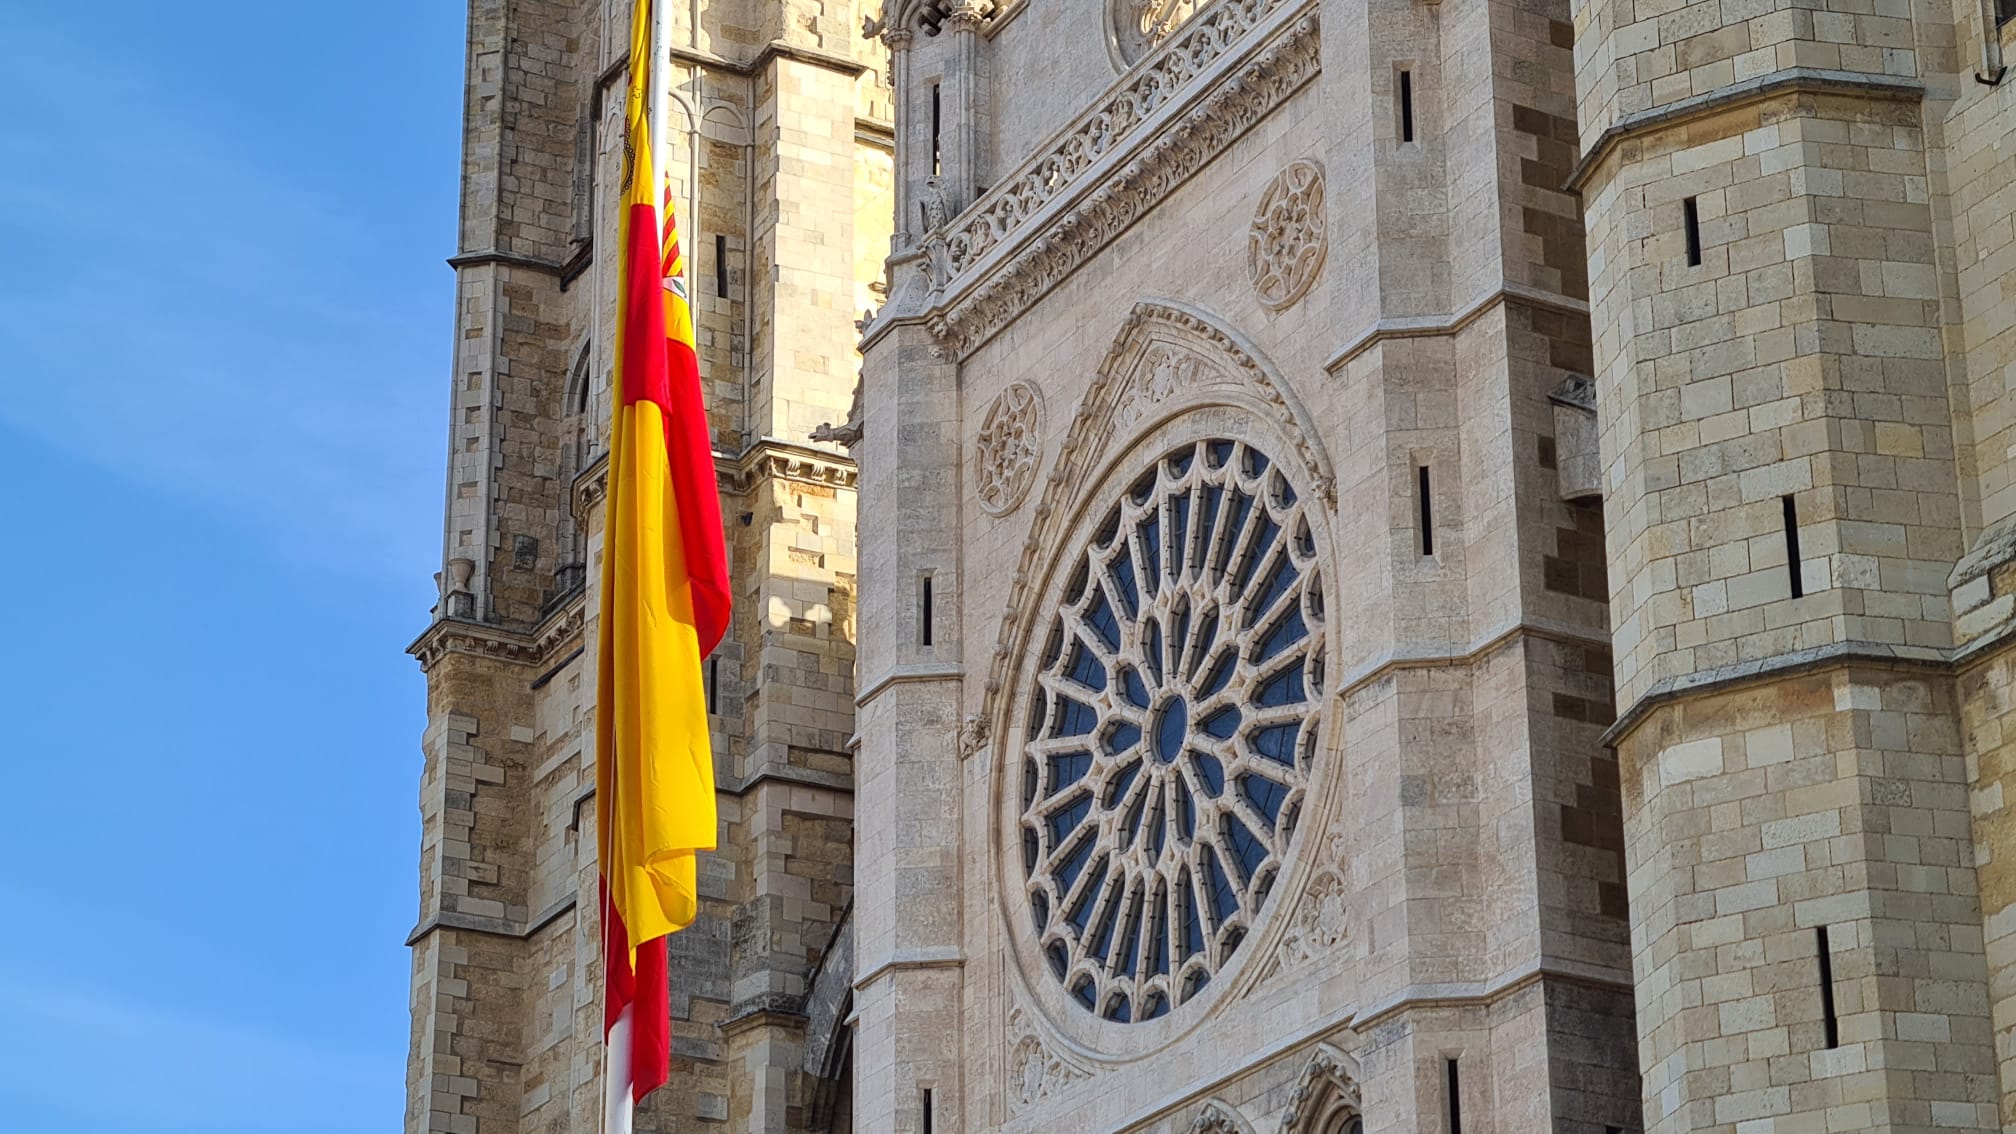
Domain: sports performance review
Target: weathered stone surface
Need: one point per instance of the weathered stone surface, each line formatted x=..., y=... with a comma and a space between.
x=1632, y=388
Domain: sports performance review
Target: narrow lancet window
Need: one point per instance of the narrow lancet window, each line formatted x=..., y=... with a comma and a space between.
x=1792, y=546
x=1425, y=510
x=1406, y=106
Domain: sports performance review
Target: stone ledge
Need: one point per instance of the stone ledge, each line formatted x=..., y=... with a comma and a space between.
x=1439, y=326
x=908, y=675
x=452, y=635
x=774, y=1010
x=909, y=960
x=1396, y=661
x=1793, y=80
x=492, y=926
x=619, y=69
x=1797, y=663
x=1479, y=993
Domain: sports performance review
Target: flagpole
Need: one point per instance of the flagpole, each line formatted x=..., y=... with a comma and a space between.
x=619, y=1106
x=661, y=106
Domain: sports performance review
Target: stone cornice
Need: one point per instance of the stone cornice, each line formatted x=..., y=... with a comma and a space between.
x=1174, y=111
x=480, y=639
x=491, y=926
x=484, y=258
x=770, y=458
x=1395, y=661
x=769, y=53
x=908, y=675
x=907, y=960
x=1793, y=80
x=773, y=458
x=1836, y=655
x=1436, y=326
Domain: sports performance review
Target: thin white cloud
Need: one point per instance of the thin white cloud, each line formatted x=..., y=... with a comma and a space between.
x=184, y=308
x=95, y=1055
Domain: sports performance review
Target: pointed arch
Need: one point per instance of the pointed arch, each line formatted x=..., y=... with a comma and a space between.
x=1326, y=1098
x=580, y=442
x=1220, y=1117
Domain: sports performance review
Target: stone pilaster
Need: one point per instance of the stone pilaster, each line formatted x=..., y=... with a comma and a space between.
x=908, y=841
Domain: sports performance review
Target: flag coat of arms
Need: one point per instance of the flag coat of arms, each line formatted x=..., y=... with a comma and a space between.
x=664, y=606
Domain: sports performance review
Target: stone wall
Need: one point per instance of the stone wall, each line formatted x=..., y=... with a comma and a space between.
x=780, y=172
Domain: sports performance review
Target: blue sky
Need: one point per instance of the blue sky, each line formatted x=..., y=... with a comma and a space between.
x=224, y=323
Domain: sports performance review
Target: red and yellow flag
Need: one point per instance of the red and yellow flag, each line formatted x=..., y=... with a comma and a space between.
x=664, y=607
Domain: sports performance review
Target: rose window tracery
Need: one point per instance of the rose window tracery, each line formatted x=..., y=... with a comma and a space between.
x=1172, y=726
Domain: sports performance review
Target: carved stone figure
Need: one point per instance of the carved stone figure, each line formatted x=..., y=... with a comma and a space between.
x=1319, y=925
x=937, y=210
x=1139, y=25
x=1290, y=236
x=1034, y=1074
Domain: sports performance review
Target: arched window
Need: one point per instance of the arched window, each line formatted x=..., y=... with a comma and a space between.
x=580, y=444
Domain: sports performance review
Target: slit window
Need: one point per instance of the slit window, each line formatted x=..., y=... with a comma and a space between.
x=928, y=1108
x=1455, y=1099
x=1690, y=211
x=713, y=685
x=1827, y=1014
x=1406, y=106
x=924, y=611
x=937, y=121
x=721, y=266
x=1424, y=510
x=1792, y=546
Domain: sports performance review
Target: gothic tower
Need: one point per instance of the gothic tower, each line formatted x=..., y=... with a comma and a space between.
x=782, y=173
x=1803, y=327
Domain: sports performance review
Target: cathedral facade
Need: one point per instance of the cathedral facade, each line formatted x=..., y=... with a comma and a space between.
x=1300, y=565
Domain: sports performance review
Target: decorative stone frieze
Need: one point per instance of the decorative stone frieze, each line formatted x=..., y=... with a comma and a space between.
x=1036, y=227
x=1290, y=236
x=1008, y=448
x=1107, y=127
x=457, y=636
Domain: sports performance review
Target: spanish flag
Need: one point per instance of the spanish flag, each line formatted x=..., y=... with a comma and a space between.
x=664, y=607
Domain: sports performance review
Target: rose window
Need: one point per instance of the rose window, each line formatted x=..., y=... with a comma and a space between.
x=1171, y=730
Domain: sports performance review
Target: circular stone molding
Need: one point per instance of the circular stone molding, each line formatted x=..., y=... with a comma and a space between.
x=1172, y=725
x=1135, y=26
x=1290, y=236
x=1007, y=448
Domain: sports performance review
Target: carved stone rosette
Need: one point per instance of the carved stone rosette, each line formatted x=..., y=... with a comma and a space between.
x=1008, y=448
x=1290, y=236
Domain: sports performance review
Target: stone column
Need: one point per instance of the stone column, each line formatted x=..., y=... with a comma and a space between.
x=907, y=834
